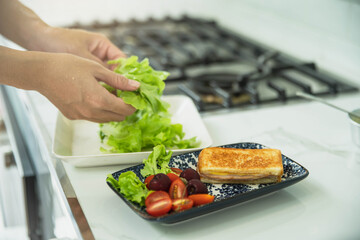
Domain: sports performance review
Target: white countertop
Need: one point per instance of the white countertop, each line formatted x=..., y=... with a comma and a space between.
x=323, y=206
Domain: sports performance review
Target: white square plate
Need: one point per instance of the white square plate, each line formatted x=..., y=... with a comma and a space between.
x=78, y=143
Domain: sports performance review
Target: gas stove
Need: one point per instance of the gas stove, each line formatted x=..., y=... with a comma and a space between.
x=216, y=67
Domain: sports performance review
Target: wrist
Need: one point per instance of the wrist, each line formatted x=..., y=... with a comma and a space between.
x=21, y=25
x=22, y=69
x=53, y=39
x=40, y=37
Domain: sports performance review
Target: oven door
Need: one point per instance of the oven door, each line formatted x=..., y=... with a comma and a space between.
x=27, y=165
x=22, y=170
x=19, y=202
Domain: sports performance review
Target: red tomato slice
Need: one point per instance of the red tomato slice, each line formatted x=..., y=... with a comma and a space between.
x=148, y=179
x=172, y=176
x=160, y=207
x=177, y=189
x=155, y=196
x=201, y=198
x=182, y=204
x=177, y=171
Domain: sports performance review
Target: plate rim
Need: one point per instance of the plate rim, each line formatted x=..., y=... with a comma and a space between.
x=216, y=205
x=66, y=158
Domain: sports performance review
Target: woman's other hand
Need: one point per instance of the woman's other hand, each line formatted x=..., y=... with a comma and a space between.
x=93, y=46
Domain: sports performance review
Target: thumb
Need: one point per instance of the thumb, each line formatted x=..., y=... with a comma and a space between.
x=116, y=80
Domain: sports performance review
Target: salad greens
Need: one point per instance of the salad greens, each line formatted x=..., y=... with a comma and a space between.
x=151, y=124
x=130, y=185
x=151, y=87
x=157, y=162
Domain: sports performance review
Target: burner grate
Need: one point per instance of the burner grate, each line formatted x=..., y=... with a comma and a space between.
x=216, y=67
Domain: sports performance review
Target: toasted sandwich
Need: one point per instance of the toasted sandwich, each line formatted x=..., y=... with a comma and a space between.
x=246, y=166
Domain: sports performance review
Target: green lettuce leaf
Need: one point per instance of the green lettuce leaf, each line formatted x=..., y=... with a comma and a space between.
x=157, y=162
x=121, y=137
x=130, y=186
x=151, y=124
x=151, y=83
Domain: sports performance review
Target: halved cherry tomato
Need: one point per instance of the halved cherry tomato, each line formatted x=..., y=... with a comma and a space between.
x=172, y=176
x=155, y=196
x=160, y=207
x=148, y=179
x=177, y=171
x=201, y=198
x=182, y=204
x=177, y=189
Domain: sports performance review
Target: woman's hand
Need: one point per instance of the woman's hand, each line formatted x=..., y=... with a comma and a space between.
x=80, y=96
x=93, y=46
x=71, y=83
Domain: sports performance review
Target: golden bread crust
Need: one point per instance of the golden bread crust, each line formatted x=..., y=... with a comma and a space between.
x=232, y=165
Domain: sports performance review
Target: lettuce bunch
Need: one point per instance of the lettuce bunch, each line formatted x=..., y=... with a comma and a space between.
x=129, y=183
x=151, y=124
x=130, y=186
x=157, y=162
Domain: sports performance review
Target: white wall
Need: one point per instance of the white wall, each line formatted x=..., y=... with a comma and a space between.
x=324, y=31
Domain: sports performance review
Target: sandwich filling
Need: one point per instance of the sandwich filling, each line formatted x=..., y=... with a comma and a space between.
x=233, y=176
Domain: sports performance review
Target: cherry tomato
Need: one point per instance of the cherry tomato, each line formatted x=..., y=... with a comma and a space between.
x=177, y=171
x=172, y=176
x=182, y=204
x=155, y=196
x=177, y=189
x=201, y=198
x=148, y=179
x=160, y=207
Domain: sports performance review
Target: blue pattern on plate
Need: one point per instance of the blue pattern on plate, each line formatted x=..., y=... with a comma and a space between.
x=225, y=194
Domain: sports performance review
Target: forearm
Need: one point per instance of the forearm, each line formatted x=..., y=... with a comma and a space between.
x=21, y=25
x=21, y=68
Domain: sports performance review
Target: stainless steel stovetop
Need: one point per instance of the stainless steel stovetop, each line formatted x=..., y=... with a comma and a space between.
x=217, y=68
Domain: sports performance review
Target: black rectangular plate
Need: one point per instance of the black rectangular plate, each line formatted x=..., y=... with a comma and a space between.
x=226, y=195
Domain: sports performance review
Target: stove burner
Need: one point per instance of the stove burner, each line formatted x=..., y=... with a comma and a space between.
x=216, y=67
x=228, y=81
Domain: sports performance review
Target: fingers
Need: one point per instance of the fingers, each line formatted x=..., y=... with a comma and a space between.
x=106, y=116
x=114, y=52
x=99, y=116
x=105, y=107
x=117, y=105
x=100, y=107
x=116, y=80
x=104, y=49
